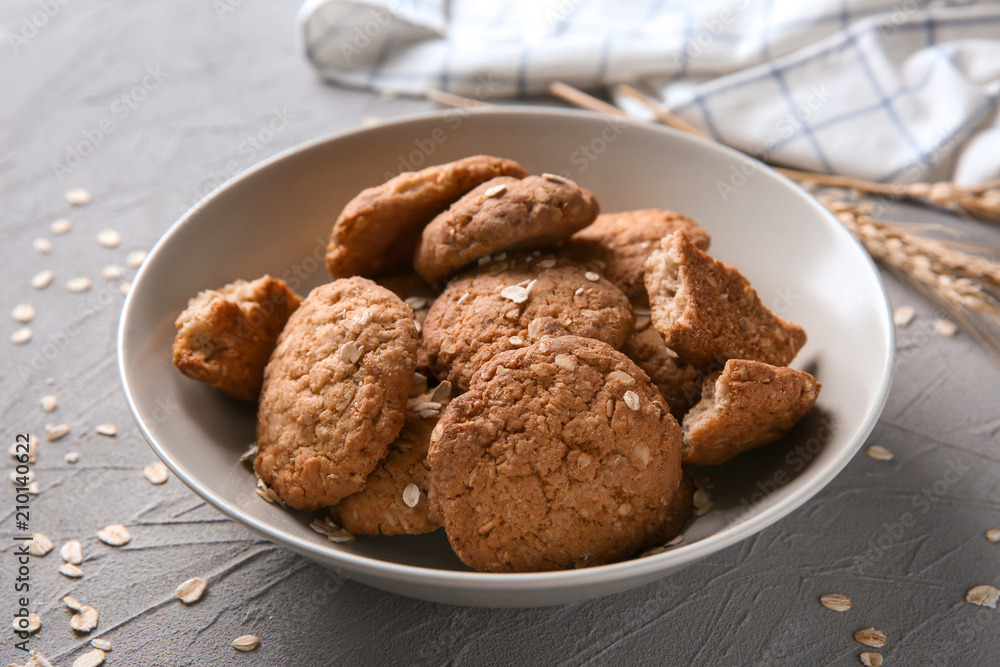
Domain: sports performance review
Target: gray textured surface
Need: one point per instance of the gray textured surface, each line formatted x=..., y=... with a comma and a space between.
x=225, y=80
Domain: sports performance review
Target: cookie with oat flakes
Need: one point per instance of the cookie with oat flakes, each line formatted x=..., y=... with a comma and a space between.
x=335, y=392
x=225, y=336
x=561, y=455
x=747, y=405
x=377, y=231
x=708, y=313
x=513, y=302
x=503, y=214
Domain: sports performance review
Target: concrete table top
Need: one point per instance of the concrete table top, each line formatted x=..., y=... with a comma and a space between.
x=151, y=105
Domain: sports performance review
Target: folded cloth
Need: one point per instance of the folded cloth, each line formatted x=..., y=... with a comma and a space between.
x=881, y=90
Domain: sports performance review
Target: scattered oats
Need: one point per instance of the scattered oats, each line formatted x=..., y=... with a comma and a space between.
x=441, y=392
x=946, y=327
x=17, y=478
x=71, y=457
x=32, y=452
x=591, y=276
x=836, y=602
x=370, y=121
x=567, y=362
x=621, y=376
x=411, y=495
x=641, y=451
x=869, y=659
x=870, y=637
x=246, y=643
x=632, y=399
x=879, y=453
x=993, y=535
x=157, y=473
x=78, y=284
x=31, y=624
x=115, y=535
x=135, y=258
x=499, y=257
x=555, y=177
x=462, y=298
x=42, y=246
x=39, y=544
x=334, y=533
x=72, y=552
x=625, y=509
x=125, y=287
x=102, y=644
x=77, y=197
x=55, y=432
x=416, y=302
x=70, y=570
x=191, y=590
x=37, y=660
x=516, y=340
x=546, y=263
x=33, y=488
x=702, y=501
x=674, y=542
x=43, y=278
x=703, y=509
x=90, y=659
x=517, y=293
x=49, y=402
x=512, y=314
x=984, y=596
x=109, y=238
x=84, y=620
x=579, y=291
x=652, y=552
x=904, y=315
x=112, y=272
x=642, y=322
x=349, y=352
x=609, y=409
x=72, y=603
x=495, y=190
x=484, y=260
x=106, y=429
x=583, y=461
x=21, y=336
x=61, y=226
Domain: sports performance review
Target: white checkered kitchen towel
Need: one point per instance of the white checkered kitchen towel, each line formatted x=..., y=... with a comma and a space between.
x=880, y=89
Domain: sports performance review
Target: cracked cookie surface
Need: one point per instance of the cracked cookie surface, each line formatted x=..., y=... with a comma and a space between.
x=516, y=301
x=560, y=455
x=335, y=392
x=503, y=214
x=225, y=336
x=377, y=231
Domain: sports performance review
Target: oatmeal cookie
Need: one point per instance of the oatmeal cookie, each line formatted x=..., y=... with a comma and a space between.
x=708, y=313
x=335, y=392
x=503, y=214
x=225, y=336
x=747, y=405
x=560, y=455
x=620, y=243
x=394, y=500
x=377, y=231
x=418, y=295
x=513, y=302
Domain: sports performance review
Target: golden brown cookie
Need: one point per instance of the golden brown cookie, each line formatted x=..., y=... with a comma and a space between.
x=679, y=383
x=513, y=302
x=225, y=336
x=377, y=231
x=747, y=405
x=418, y=295
x=708, y=313
x=394, y=500
x=503, y=214
x=560, y=455
x=620, y=243
x=335, y=392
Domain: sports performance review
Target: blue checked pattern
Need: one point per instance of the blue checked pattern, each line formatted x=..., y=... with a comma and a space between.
x=880, y=89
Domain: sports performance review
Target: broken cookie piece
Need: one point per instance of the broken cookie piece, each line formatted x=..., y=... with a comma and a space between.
x=708, y=313
x=226, y=335
x=747, y=405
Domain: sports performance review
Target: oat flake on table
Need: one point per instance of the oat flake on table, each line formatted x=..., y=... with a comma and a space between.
x=90, y=659
x=39, y=544
x=109, y=238
x=246, y=643
x=115, y=535
x=72, y=552
x=156, y=473
x=70, y=570
x=21, y=336
x=984, y=596
x=135, y=259
x=23, y=313
x=78, y=197
x=84, y=620
x=78, y=285
x=836, y=602
x=43, y=279
x=49, y=402
x=879, y=453
x=191, y=590
x=61, y=226
x=870, y=637
x=42, y=246
x=869, y=659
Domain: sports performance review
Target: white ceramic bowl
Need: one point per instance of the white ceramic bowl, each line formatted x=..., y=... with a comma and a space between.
x=277, y=217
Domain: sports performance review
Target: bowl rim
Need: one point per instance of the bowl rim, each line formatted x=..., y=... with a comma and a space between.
x=635, y=568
